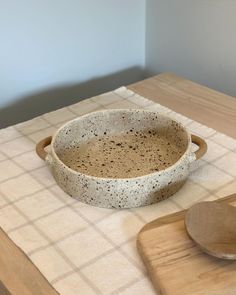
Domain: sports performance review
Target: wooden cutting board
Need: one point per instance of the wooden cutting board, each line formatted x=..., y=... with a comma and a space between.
x=177, y=266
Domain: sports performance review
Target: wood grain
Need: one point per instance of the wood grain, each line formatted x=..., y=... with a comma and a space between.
x=202, y=104
x=17, y=272
x=177, y=265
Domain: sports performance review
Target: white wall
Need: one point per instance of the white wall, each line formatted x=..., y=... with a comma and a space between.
x=53, y=53
x=195, y=39
x=46, y=44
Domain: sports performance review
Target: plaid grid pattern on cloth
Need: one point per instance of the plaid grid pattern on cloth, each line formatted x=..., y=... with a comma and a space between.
x=87, y=250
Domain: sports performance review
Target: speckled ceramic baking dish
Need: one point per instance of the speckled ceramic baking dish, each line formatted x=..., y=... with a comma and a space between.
x=121, y=158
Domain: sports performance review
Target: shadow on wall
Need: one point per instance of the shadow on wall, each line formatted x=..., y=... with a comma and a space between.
x=48, y=100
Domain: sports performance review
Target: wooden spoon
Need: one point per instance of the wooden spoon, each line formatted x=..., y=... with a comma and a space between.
x=212, y=226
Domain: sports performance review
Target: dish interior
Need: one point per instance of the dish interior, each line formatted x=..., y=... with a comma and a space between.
x=134, y=145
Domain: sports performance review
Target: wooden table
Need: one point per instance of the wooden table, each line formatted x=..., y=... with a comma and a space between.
x=197, y=102
x=202, y=104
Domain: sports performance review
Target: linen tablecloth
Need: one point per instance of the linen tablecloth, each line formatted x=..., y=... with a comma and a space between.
x=82, y=249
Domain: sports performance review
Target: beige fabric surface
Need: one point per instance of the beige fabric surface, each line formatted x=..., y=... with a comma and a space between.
x=82, y=249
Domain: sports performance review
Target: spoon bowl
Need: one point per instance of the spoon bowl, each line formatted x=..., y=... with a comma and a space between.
x=212, y=226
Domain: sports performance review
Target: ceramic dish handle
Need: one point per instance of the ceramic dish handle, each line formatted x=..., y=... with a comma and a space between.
x=201, y=144
x=40, y=147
